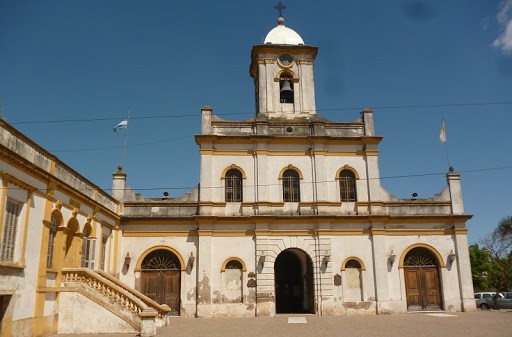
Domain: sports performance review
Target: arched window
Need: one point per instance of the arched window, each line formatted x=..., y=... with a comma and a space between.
x=347, y=186
x=286, y=89
x=420, y=257
x=51, y=241
x=353, y=279
x=232, y=289
x=291, y=186
x=161, y=260
x=234, y=264
x=233, y=186
x=353, y=264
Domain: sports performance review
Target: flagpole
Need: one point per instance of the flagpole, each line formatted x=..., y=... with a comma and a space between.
x=447, y=157
x=125, y=140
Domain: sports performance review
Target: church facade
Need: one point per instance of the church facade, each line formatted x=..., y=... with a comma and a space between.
x=289, y=216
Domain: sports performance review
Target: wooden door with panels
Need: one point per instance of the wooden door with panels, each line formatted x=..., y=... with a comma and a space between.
x=160, y=279
x=422, y=284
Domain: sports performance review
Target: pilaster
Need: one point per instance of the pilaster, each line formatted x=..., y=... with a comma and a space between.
x=204, y=273
x=464, y=272
x=380, y=266
x=455, y=193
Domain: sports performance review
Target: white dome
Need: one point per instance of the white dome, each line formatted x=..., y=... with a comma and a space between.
x=283, y=35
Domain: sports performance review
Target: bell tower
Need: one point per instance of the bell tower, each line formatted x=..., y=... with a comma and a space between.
x=282, y=69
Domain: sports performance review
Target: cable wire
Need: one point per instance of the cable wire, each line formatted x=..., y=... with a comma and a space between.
x=303, y=182
x=384, y=107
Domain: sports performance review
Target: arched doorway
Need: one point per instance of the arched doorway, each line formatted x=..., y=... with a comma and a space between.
x=293, y=271
x=422, y=285
x=160, y=278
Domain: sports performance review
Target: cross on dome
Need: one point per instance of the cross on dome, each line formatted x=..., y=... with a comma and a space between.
x=280, y=8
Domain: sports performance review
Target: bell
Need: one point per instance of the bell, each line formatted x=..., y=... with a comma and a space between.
x=286, y=86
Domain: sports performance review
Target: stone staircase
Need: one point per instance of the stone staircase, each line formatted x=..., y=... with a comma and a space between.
x=95, y=302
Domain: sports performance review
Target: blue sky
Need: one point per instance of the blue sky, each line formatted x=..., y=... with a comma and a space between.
x=414, y=61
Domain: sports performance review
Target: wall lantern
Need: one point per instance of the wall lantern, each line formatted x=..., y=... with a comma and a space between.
x=191, y=260
x=451, y=256
x=127, y=260
x=261, y=261
x=326, y=259
x=392, y=257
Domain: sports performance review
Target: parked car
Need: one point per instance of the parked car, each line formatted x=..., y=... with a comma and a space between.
x=484, y=300
x=504, y=301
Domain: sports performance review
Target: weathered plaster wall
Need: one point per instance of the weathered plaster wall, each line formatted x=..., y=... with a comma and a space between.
x=97, y=319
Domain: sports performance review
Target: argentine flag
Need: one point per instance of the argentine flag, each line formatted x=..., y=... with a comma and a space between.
x=121, y=125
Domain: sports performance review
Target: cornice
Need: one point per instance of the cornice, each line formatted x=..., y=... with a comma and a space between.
x=49, y=179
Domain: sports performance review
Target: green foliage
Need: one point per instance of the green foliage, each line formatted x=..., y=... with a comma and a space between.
x=500, y=276
x=499, y=247
x=480, y=267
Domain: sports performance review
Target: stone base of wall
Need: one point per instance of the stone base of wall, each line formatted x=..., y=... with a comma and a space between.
x=78, y=314
x=234, y=310
x=355, y=308
x=265, y=309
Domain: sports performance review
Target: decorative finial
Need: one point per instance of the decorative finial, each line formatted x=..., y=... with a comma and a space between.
x=280, y=8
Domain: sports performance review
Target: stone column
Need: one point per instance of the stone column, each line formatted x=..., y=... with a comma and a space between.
x=264, y=183
x=307, y=87
x=455, y=193
x=380, y=269
x=464, y=270
x=265, y=288
x=369, y=128
x=323, y=266
x=204, y=274
x=148, y=326
x=206, y=120
x=262, y=87
x=118, y=187
x=206, y=190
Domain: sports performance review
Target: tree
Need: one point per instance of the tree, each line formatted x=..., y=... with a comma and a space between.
x=499, y=246
x=480, y=267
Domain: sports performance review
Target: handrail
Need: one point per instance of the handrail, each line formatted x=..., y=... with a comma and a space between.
x=107, y=288
x=162, y=309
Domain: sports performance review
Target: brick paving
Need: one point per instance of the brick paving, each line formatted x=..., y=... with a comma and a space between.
x=476, y=324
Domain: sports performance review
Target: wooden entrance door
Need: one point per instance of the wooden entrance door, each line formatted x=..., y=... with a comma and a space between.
x=163, y=287
x=422, y=288
x=160, y=278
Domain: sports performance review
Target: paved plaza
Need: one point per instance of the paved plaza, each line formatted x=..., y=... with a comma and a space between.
x=475, y=324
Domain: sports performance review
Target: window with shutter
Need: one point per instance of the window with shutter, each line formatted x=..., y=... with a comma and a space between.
x=10, y=229
x=88, y=250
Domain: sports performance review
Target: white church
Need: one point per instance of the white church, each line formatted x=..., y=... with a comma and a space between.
x=289, y=216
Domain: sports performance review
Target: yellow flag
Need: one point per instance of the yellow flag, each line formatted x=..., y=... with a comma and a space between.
x=442, y=134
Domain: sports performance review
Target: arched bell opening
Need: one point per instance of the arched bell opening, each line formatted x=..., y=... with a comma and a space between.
x=285, y=88
x=294, y=288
